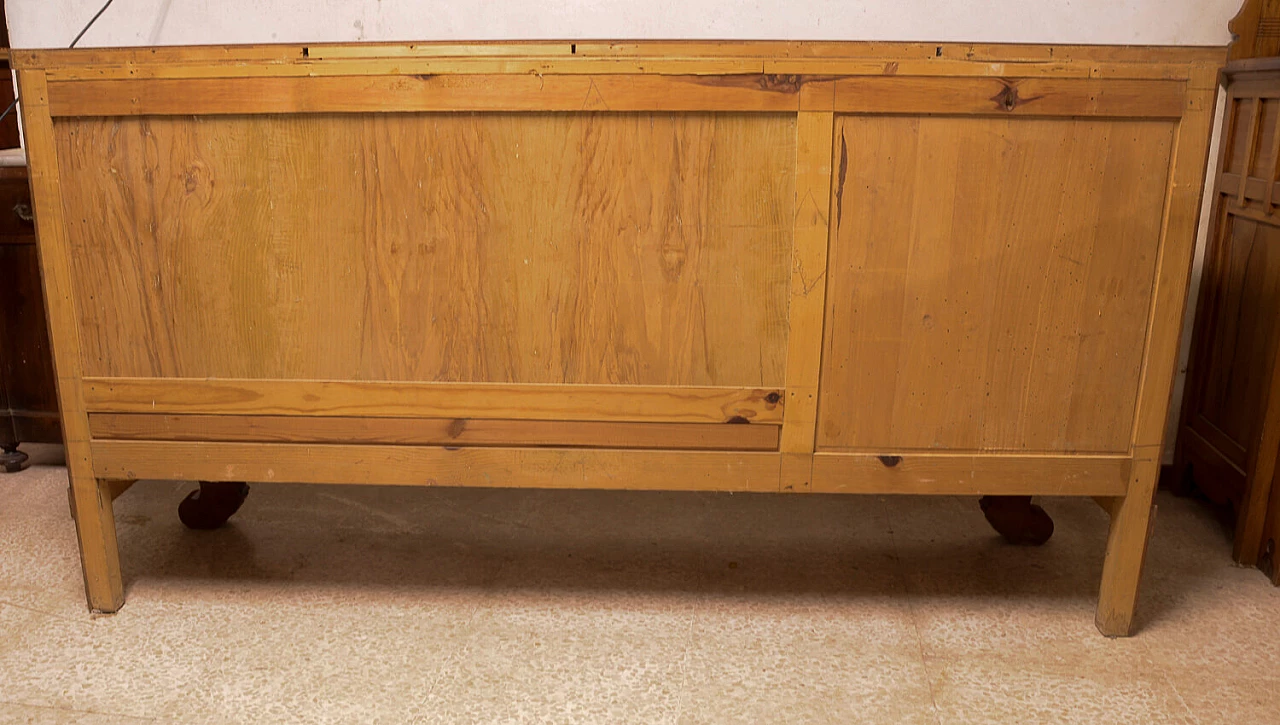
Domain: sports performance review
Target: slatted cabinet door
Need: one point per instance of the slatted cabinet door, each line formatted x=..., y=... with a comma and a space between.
x=1229, y=432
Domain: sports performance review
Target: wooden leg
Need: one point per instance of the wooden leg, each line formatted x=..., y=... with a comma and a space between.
x=12, y=460
x=1131, y=521
x=99, y=556
x=212, y=504
x=1017, y=519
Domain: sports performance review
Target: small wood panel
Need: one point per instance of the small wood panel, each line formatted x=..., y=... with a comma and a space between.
x=659, y=404
x=647, y=249
x=432, y=431
x=430, y=466
x=966, y=475
x=990, y=282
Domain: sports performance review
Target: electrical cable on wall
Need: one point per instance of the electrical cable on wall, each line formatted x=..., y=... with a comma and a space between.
x=79, y=35
x=92, y=20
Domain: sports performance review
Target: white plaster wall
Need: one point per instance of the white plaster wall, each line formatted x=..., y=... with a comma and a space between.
x=53, y=23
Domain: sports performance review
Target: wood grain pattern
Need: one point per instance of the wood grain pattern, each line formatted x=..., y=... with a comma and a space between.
x=970, y=475
x=543, y=65
x=431, y=431
x=602, y=91
x=1183, y=194
x=1011, y=96
x=91, y=503
x=807, y=293
x=627, y=249
x=428, y=466
x=990, y=281
x=659, y=404
x=688, y=50
x=1133, y=518
x=425, y=92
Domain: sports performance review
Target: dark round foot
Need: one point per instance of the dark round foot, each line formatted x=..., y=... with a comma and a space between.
x=1017, y=519
x=212, y=504
x=12, y=460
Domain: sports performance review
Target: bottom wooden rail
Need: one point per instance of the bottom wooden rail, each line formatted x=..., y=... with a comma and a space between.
x=925, y=473
x=971, y=474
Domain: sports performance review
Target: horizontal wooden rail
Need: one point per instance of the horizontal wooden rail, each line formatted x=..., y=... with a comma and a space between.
x=605, y=468
x=432, y=431
x=966, y=474
x=1013, y=96
x=631, y=65
x=742, y=92
x=432, y=466
x=637, y=403
x=385, y=94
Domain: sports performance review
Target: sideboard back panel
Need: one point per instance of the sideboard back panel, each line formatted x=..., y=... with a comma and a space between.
x=990, y=281
x=625, y=248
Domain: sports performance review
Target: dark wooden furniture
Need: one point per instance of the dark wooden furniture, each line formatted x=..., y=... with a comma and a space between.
x=1229, y=432
x=28, y=397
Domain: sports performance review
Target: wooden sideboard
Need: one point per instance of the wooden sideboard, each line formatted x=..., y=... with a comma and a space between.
x=756, y=266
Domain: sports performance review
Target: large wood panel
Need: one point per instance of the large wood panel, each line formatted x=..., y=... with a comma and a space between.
x=990, y=282
x=528, y=248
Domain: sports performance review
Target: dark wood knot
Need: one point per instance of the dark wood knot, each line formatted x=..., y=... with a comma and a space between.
x=890, y=461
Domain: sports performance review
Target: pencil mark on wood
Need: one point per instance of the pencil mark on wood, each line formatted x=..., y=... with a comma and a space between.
x=844, y=170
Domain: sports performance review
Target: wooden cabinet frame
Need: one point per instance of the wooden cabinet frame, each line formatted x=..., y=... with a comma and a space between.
x=816, y=83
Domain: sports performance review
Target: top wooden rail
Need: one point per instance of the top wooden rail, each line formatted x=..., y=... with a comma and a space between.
x=641, y=57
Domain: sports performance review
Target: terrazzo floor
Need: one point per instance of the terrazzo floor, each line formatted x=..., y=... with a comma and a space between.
x=384, y=605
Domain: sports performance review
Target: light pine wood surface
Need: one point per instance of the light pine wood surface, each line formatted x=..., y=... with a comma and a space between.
x=572, y=248
x=807, y=267
x=990, y=282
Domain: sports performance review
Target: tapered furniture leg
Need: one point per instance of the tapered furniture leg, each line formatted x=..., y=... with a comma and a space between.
x=1017, y=519
x=1131, y=520
x=12, y=460
x=209, y=506
x=99, y=555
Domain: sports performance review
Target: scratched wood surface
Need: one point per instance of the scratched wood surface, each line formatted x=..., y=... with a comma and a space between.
x=523, y=248
x=990, y=281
